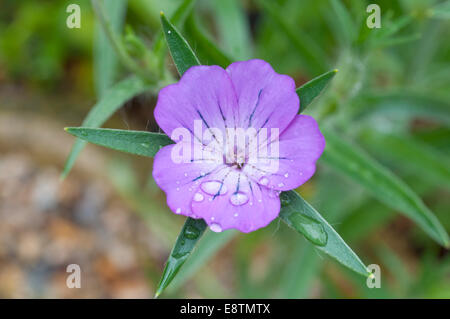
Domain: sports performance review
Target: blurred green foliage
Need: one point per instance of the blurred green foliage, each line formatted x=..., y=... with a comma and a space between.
x=35, y=44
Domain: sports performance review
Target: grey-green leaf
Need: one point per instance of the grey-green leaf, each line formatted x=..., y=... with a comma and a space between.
x=110, y=102
x=332, y=244
x=178, y=17
x=202, y=42
x=310, y=90
x=298, y=284
x=135, y=142
x=233, y=27
x=410, y=153
x=105, y=59
x=210, y=244
x=191, y=232
x=349, y=160
x=441, y=10
x=181, y=52
x=184, y=58
x=310, y=54
x=404, y=105
x=344, y=22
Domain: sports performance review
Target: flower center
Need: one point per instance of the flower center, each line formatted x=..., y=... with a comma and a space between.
x=235, y=158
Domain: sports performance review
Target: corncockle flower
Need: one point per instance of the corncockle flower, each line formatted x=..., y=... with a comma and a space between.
x=238, y=143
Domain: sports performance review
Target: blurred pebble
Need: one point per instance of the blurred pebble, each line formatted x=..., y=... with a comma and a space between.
x=47, y=224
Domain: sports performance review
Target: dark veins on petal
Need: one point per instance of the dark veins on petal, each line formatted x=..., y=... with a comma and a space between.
x=254, y=109
x=221, y=185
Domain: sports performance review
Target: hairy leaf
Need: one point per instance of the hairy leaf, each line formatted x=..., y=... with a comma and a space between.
x=190, y=234
x=209, y=246
x=293, y=205
x=181, y=52
x=135, y=142
x=348, y=159
x=110, y=102
x=105, y=59
x=310, y=90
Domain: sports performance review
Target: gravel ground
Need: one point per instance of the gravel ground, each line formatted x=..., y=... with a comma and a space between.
x=46, y=224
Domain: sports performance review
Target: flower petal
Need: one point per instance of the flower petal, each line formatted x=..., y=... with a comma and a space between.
x=243, y=205
x=265, y=98
x=300, y=146
x=204, y=93
x=180, y=181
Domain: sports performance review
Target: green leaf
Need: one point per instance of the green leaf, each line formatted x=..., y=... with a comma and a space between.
x=112, y=100
x=178, y=17
x=344, y=22
x=105, y=58
x=364, y=220
x=402, y=104
x=381, y=183
x=181, y=52
x=184, y=58
x=298, y=277
x=314, y=58
x=293, y=205
x=407, y=152
x=207, y=247
x=135, y=142
x=233, y=28
x=310, y=90
x=391, y=41
x=441, y=10
x=436, y=137
x=191, y=232
x=205, y=45
x=118, y=45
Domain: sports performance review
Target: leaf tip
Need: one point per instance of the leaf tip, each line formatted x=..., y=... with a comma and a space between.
x=157, y=293
x=447, y=244
x=63, y=176
x=336, y=70
x=70, y=130
x=161, y=13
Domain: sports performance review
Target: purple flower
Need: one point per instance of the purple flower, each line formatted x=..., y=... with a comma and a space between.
x=229, y=183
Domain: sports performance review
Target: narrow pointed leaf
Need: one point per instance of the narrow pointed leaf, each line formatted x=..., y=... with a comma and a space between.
x=135, y=142
x=313, y=56
x=410, y=153
x=310, y=90
x=205, y=45
x=105, y=58
x=349, y=160
x=295, y=283
x=233, y=28
x=191, y=232
x=207, y=248
x=344, y=22
x=110, y=102
x=181, y=52
x=441, y=10
x=293, y=206
x=184, y=58
x=402, y=104
x=177, y=19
